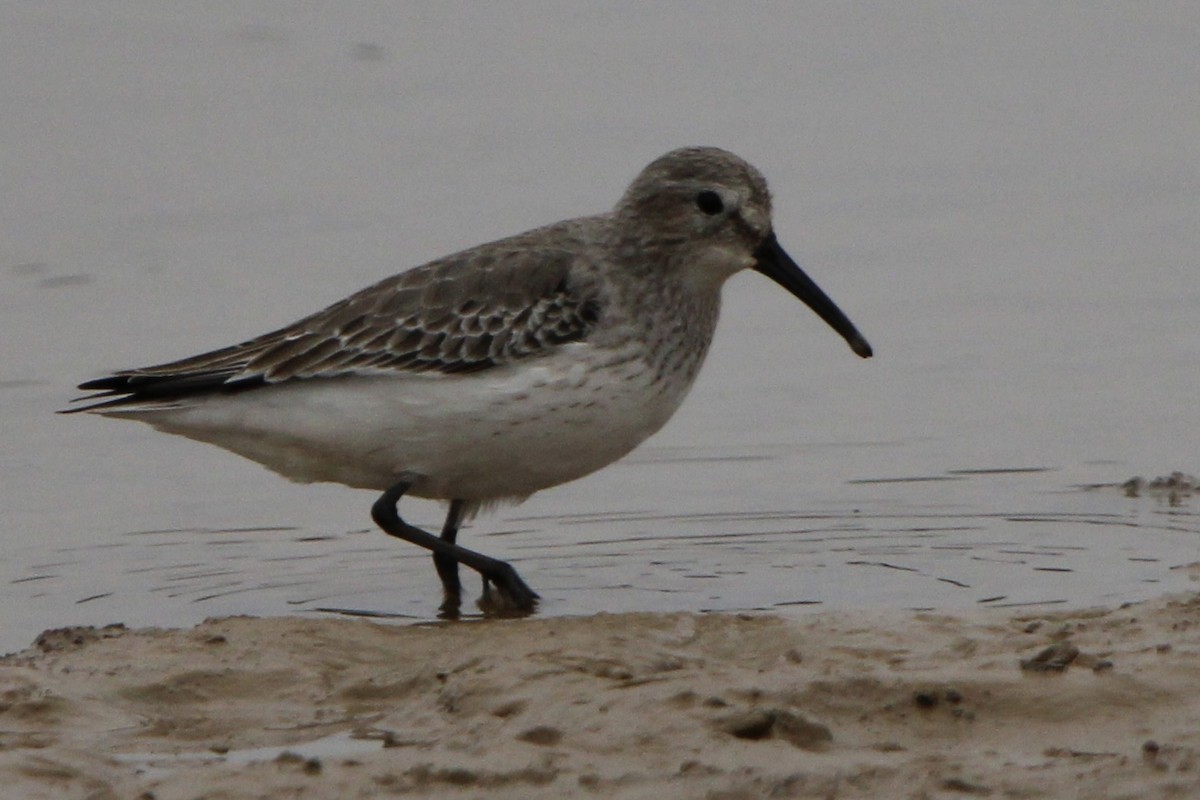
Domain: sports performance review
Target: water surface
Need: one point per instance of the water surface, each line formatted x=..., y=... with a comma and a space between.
x=1005, y=200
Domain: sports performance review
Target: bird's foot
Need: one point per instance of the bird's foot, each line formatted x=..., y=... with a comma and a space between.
x=512, y=597
x=451, y=607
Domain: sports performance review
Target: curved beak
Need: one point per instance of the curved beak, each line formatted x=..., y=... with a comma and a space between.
x=776, y=264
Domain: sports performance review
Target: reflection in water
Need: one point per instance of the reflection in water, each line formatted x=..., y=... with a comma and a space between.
x=916, y=554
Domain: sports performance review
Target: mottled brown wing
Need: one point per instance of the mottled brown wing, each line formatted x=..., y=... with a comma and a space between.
x=488, y=306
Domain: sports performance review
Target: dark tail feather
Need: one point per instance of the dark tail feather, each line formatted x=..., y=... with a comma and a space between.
x=133, y=388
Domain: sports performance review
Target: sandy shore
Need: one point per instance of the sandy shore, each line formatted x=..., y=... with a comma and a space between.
x=832, y=705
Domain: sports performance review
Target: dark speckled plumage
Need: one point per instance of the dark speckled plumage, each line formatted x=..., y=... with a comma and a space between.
x=462, y=313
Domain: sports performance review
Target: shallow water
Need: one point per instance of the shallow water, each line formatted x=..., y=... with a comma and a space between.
x=1005, y=202
x=334, y=746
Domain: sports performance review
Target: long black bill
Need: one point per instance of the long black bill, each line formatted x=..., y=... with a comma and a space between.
x=776, y=264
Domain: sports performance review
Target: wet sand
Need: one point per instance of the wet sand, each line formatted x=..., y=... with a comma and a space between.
x=1089, y=703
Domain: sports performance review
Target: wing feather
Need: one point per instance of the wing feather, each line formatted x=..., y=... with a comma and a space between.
x=492, y=305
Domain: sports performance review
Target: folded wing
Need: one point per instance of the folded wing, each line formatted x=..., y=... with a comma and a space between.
x=474, y=311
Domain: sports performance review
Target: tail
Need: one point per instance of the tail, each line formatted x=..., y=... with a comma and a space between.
x=139, y=388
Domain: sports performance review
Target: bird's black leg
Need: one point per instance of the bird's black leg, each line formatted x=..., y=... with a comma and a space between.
x=447, y=567
x=515, y=593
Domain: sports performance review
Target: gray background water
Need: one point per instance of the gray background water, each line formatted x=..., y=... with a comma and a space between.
x=1004, y=197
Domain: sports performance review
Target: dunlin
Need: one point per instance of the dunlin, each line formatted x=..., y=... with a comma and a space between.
x=487, y=375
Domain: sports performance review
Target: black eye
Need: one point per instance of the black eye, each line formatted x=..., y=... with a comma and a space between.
x=709, y=202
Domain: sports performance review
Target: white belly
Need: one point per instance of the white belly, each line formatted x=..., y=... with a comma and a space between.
x=499, y=434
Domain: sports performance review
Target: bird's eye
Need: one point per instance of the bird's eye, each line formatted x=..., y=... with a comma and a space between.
x=710, y=202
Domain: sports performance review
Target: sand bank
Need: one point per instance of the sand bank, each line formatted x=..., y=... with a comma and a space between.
x=638, y=705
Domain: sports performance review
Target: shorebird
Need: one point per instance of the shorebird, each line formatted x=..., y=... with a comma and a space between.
x=488, y=375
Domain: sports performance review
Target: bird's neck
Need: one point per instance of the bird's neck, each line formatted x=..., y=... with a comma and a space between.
x=675, y=319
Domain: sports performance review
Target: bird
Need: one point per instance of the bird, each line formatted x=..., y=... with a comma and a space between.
x=488, y=375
